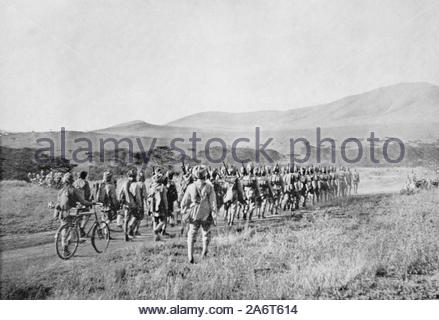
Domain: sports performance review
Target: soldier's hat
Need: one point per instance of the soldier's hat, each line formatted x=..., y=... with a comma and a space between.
x=158, y=177
x=141, y=176
x=215, y=173
x=200, y=172
x=131, y=173
x=169, y=174
x=107, y=175
x=67, y=178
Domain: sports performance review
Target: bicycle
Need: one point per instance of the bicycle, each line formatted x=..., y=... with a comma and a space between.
x=67, y=237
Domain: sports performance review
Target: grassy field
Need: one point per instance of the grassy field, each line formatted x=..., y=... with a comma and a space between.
x=23, y=208
x=390, y=179
x=367, y=247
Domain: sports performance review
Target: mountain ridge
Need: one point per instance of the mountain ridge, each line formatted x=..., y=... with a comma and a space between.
x=382, y=105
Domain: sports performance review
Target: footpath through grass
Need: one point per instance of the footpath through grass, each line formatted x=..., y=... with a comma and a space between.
x=370, y=247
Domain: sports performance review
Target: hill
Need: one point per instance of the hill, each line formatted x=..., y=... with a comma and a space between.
x=409, y=111
x=401, y=103
x=139, y=128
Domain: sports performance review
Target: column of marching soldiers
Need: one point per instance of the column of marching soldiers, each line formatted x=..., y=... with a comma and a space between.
x=245, y=192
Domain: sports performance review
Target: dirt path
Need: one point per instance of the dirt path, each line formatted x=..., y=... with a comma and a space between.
x=20, y=251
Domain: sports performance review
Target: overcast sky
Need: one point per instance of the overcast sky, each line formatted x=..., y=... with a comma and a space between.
x=88, y=64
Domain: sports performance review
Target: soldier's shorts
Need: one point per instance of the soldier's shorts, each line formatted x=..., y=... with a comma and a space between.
x=205, y=231
x=159, y=219
x=130, y=212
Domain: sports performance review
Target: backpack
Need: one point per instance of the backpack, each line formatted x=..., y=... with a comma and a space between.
x=99, y=194
x=200, y=207
x=65, y=199
x=172, y=193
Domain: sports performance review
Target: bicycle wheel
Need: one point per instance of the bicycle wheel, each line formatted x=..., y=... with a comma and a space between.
x=66, y=241
x=100, y=236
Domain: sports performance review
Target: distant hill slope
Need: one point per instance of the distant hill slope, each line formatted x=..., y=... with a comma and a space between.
x=400, y=103
x=409, y=111
x=141, y=129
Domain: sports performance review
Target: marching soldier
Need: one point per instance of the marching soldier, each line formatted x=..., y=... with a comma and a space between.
x=309, y=184
x=215, y=179
x=142, y=203
x=303, y=186
x=200, y=199
x=105, y=193
x=130, y=199
x=333, y=182
x=250, y=185
x=277, y=187
x=324, y=186
x=316, y=184
x=82, y=184
x=265, y=192
x=172, y=195
x=341, y=182
x=288, y=189
x=356, y=180
x=233, y=197
x=297, y=187
x=158, y=204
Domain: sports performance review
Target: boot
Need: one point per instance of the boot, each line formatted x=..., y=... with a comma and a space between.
x=190, y=250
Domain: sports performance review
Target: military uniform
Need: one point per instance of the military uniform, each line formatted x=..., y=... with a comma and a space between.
x=324, y=184
x=265, y=193
x=158, y=204
x=84, y=187
x=233, y=197
x=200, y=200
x=356, y=181
x=105, y=193
x=341, y=183
x=288, y=190
x=276, y=183
x=131, y=198
x=250, y=185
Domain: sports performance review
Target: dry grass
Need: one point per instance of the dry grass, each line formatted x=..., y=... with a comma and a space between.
x=23, y=208
x=367, y=247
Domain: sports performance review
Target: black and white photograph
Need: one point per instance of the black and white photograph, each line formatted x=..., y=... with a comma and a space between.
x=199, y=158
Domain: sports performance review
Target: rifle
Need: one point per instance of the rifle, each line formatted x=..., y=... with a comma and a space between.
x=225, y=167
x=183, y=168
